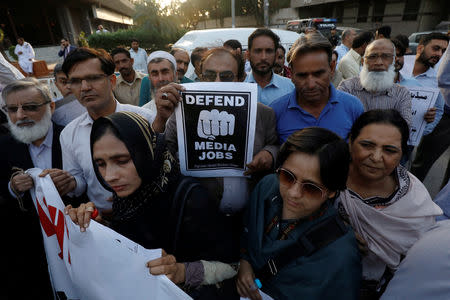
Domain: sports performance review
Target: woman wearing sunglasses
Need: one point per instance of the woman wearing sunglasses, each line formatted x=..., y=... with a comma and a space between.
x=294, y=243
x=387, y=206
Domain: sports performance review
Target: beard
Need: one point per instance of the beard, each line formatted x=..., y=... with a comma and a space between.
x=426, y=60
x=262, y=69
x=29, y=134
x=154, y=89
x=377, y=81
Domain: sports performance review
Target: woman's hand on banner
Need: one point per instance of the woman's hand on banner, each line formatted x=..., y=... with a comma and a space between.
x=167, y=265
x=83, y=214
x=262, y=161
x=166, y=99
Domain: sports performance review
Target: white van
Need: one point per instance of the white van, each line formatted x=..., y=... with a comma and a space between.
x=216, y=37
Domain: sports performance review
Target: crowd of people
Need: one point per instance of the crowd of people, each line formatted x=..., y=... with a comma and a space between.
x=327, y=209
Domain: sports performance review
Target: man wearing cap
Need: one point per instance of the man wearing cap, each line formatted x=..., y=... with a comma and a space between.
x=162, y=70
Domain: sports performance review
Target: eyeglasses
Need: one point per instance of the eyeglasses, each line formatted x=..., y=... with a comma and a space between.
x=225, y=76
x=374, y=57
x=310, y=190
x=90, y=79
x=26, y=107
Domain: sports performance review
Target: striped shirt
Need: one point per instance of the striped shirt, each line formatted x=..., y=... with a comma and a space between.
x=397, y=97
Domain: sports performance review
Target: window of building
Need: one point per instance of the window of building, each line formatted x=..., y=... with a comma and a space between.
x=411, y=9
x=363, y=11
x=378, y=10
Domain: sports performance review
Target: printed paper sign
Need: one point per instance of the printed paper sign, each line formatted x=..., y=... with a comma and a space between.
x=422, y=99
x=216, y=128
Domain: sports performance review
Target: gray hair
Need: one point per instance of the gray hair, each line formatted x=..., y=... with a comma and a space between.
x=310, y=43
x=383, y=39
x=24, y=84
x=346, y=32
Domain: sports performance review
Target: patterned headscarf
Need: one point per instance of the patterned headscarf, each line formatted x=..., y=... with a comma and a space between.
x=154, y=163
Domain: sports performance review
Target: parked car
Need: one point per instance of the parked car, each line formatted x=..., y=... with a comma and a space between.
x=216, y=37
x=415, y=37
x=341, y=29
x=324, y=25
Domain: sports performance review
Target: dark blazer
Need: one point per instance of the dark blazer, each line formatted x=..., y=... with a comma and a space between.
x=22, y=248
x=63, y=53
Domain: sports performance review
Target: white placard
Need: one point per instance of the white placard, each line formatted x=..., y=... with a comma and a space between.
x=422, y=99
x=216, y=128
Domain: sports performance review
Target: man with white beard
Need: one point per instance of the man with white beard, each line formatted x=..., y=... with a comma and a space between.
x=33, y=142
x=375, y=85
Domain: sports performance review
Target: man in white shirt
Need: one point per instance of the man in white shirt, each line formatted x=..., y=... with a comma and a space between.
x=92, y=81
x=350, y=64
x=348, y=35
x=25, y=53
x=140, y=57
x=100, y=29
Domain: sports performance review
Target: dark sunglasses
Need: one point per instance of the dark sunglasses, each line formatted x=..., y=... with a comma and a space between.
x=310, y=190
x=225, y=76
x=26, y=107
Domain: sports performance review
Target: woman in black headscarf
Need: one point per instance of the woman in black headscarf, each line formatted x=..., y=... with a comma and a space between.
x=153, y=204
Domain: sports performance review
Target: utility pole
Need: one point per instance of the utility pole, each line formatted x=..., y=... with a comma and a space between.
x=233, y=14
x=266, y=13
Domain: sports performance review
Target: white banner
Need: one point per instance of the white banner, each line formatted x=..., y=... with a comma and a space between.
x=96, y=264
x=216, y=128
x=422, y=99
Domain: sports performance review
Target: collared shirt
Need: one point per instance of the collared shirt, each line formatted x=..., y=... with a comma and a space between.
x=277, y=87
x=76, y=154
x=41, y=155
x=338, y=115
x=140, y=60
x=350, y=64
x=128, y=92
x=341, y=50
x=397, y=97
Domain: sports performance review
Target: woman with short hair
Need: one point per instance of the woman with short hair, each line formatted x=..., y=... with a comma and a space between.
x=294, y=242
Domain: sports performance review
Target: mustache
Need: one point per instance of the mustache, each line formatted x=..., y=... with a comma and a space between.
x=181, y=71
x=18, y=123
x=162, y=83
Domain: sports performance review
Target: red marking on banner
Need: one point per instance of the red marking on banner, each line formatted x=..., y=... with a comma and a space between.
x=49, y=226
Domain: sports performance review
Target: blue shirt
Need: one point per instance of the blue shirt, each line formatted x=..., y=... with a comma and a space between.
x=277, y=87
x=426, y=81
x=341, y=50
x=338, y=115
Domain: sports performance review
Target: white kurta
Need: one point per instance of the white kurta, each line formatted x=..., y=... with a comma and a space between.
x=26, y=58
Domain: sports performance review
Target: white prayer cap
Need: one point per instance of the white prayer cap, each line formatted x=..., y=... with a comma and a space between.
x=163, y=54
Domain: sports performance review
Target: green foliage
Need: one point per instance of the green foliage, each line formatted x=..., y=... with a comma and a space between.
x=82, y=40
x=147, y=39
x=11, y=52
x=155, y=29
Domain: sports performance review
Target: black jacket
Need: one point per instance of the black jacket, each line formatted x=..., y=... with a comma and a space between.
x=22, y=252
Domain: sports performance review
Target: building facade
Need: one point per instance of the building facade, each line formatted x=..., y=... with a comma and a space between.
x=404, y=16
x=44, y=23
